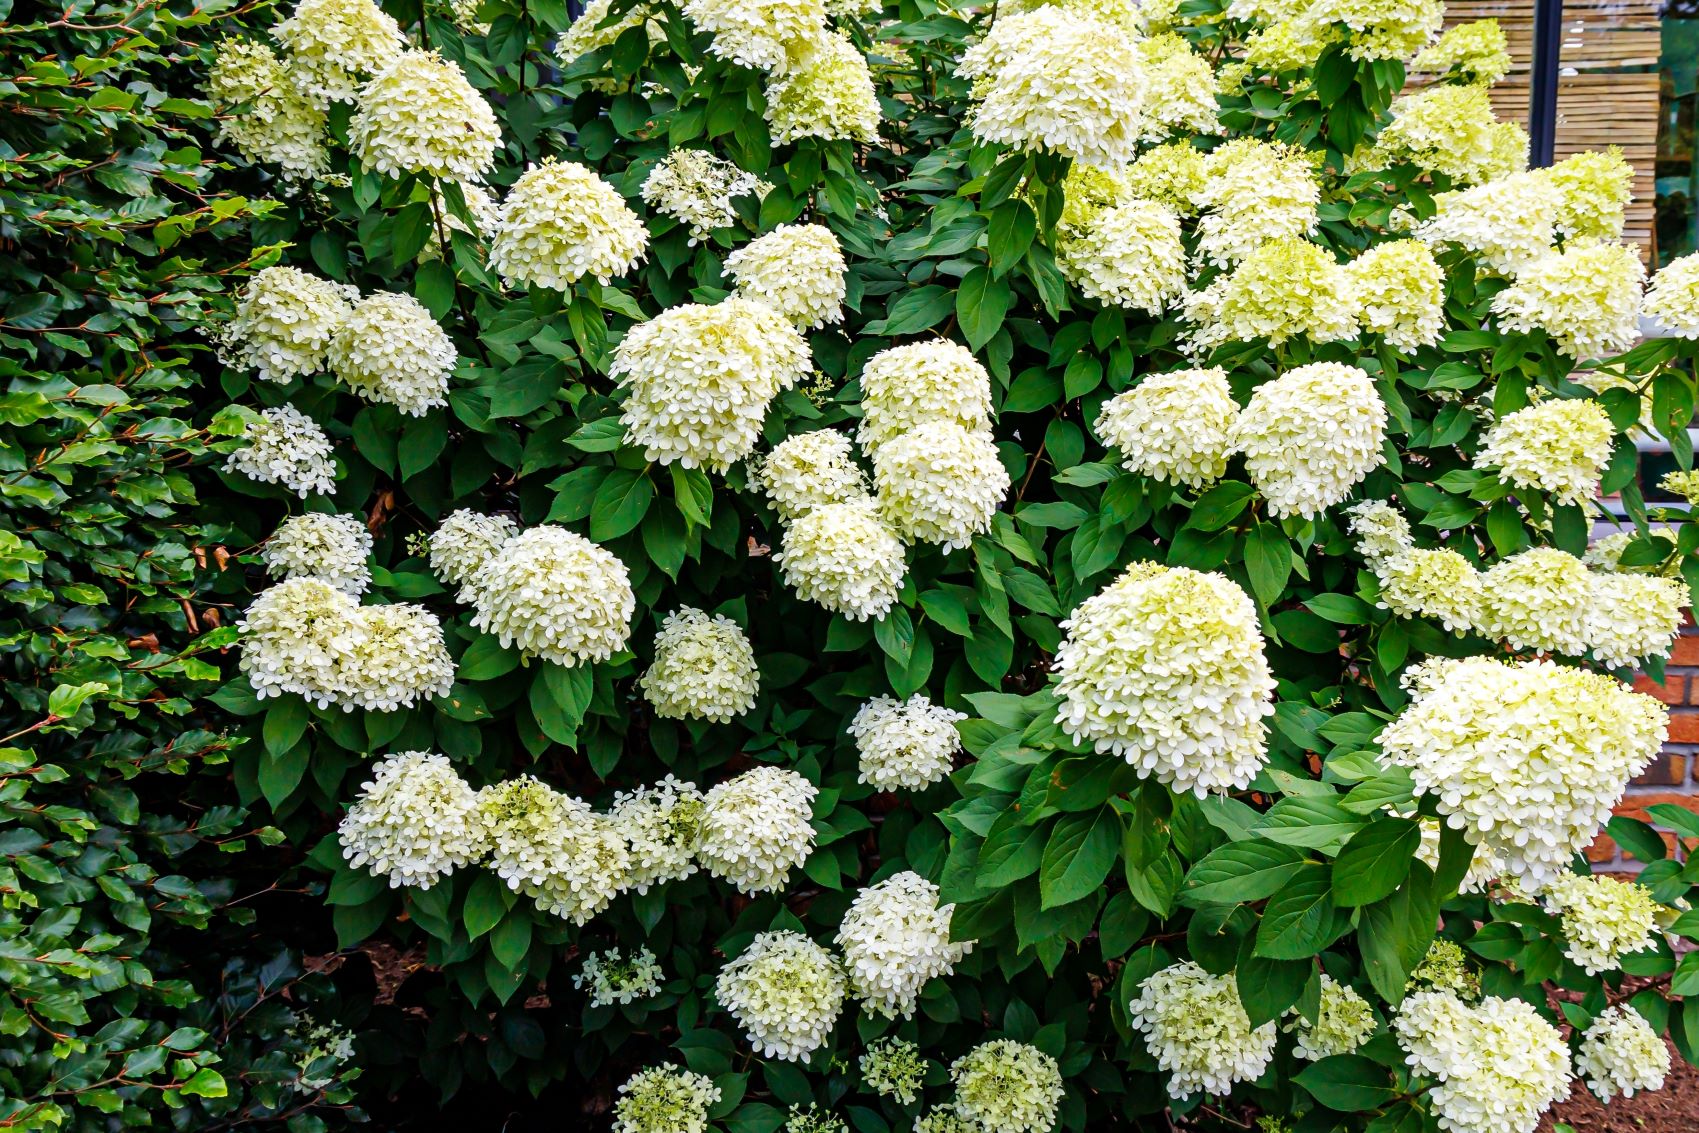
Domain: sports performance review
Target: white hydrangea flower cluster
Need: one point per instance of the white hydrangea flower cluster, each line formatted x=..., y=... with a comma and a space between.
x=892, y=1067
x=700, y=379
x=1174, y=174
x=334, y=44
x=1173, y=427
x=1343, y=1023
x=1621, y=1053
x=1309, y=436
x=551, y=593
x=1603, y=919
x=1528, y=758
x=696, y=189
x=1606, y=554
x=905, y=744
x=391, y=349
x=1417, y=581
x=285, y=446
x=939, y=483
x=1594, y=188
x=1508, y=222
x=1499, y=1066
x=808, y=471
x=416, y=821
x=308, y=637
x=1673, y=297
x=279, y=123
x=1446, y=968
x=1195, y=1026
x=1004, y=1086
x=905, y=386
x=331, y=548
x=1180, y=88
x=283, y=323
x=1400, y=293
x=420, y=115
x=1632, y=616
x=1381, y=29
x=662, y=826
x=613, y=977
x=1059, y=79
x=756, y=828
x=828, y=93
x=1559, y=446
x=665, y=1099
x=463, y=542
x=561, y=222
x=760, y=35
x=785, y=991
x=587, y=33
x=1283, y=289
x=1165, y=667
x=895, y=936
x=1252, y=192
x=1475, y=52
x=1537, y=599
x=1683, y=484
x=1129, y=256
x=797, y=269
x=846, y=557
x=945, y=1119
x=1586, y=297
x=553, y=848
x=704, y=668
x=1452, y=130
x=1380, y=529
x=1484, y=870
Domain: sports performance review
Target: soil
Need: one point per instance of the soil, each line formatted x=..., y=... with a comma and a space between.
x=1673, y=1109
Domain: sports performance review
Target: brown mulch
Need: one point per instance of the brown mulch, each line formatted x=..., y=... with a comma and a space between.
x=1673, y=1109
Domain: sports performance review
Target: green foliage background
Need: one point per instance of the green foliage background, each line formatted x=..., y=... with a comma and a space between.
x=1077, y=879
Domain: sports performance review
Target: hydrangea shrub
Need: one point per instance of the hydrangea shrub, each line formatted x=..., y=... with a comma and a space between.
x=977, y=570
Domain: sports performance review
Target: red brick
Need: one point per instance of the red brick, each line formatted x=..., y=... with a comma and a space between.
x=1672, y=691
x=1634, y=806
x=1684, y=727
x=1686, y=651
x=1603, y=849
x=1667, y=770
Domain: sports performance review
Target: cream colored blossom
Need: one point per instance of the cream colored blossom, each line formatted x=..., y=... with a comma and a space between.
x=785, y=991
x=1285, y=289
x=1476, y=52
x=1527, y=759
x=415, y=821
x=390, y=349
x=1604, y=919
x=1309, y=436
x=696, y=189
x=1058, y=80
x=332, y=548
x=1498, y=1066
x=895, y=937
x=561, y=222
x=905, y=744
x=588, y=34
x=1171, y=174
x=846, y=557
x=1593, y=191
x=662, y=827
x=704, y=668
x=1003, y=1086
x=266, y=116
x=1452, y=130
x=807, y=471
x=1173, y=427
x=420, y=115
x=1180, y=89
x=665, y=1099
x=756, y=828
x=1165, y=667
x=797, y=269
x=1196, y=1028
x=1631, y=617
x=700, y=379
x=1508, y=223
x=828, y=94
x=1344, y=1021
x=939, y=483
x=1400, y=293
x=464, y=542
x=905, y=386
x=762, y=34
x=612, y=977
x=1537, y=599
x=1129, y=256
x=1559, y=447
x=1381, y=29
x=1253, y=192
x=569, y=860
x=333, y=44
x=283, y=322
x=1623, y=1054
x=1673, y=298
x=1587, y=297
x=285, y=446
x=551, y=593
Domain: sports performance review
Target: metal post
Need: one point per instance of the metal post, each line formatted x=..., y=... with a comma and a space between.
x=1542, y=96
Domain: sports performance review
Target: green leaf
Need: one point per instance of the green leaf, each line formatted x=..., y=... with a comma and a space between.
x=511, y=939
x=915, y=310
x=486, y=903
x=559, y=698
x=1268, y=988
x=1079, y=855
x=1268, y=561
x=980, y=306
x=205, y=1083
x=1375, y=861
x=1242, y=871
x=485, y=659
x=1009, y=235
x=1349, y=1083
x=1299, y=921
x=285, y=723
x=1394, y=933
x=621, y=503
x=1220, y=505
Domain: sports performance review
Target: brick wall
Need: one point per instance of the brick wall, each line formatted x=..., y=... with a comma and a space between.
x=1674, y=776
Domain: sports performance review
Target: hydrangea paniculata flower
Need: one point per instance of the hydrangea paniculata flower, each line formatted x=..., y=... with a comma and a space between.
x=757, y=827
x=283, y=324
x=1604, y=919
x=1173, y=427
x=613, y=977
x=785, y=991
x=1621, y=1053
x=332, y=548
x=561, y=222
x=665, y=1099
x=551, y=593
x=896, y=936
x=1195, y=1026
x=333, y=44
x=390, y=349
x=809, y=470
x=797, y=269
x=1586, y=297
x=1004, y=1086
x=905, y=386
x=939, y=483
x=420, y=115
x=1309, y=436
x=285, y=446
x=1498, y=1065
x=846, y=557
x=279, y=124
x=905, y=744
x=828, y=94
x=416, y=821
x=704, y=668
x=464, y=542
x=662, y=826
